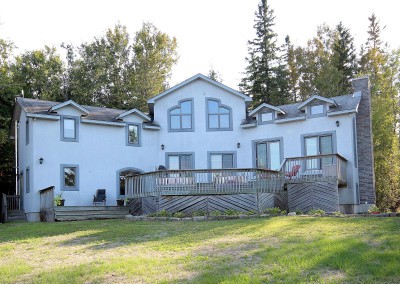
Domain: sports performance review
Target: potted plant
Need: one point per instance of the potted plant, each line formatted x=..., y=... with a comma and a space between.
x=374, y=210
x=58, y=200
x=126, y=201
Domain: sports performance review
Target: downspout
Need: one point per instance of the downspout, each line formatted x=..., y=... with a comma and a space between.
x=16, y=158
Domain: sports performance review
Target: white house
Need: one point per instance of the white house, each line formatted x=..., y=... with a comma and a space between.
x=197, y=124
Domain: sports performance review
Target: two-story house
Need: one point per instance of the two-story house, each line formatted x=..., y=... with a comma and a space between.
x=197, y=124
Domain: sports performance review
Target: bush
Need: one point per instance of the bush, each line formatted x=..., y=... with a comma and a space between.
x=373, y=210
x=299, y=212
x=216, y=213
x=179, y=215
x=318, y=212
x=232, y=212
x=199, y=213
x=162, y=213
x=274, y=211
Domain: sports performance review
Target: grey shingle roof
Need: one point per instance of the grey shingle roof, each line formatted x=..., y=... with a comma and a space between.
x=344, y=103
x=42, y=107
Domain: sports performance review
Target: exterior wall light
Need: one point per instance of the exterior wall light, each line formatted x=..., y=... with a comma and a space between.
x=337, y=123
x=238, y=145
x=41, y=160
x=162, y=146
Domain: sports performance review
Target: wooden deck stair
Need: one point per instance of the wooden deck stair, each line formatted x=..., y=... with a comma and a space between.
x=75, y=213
x=14, y=215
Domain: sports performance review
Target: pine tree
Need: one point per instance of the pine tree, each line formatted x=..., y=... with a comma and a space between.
x=344, y=57
x=265, y=75
x=383, y=68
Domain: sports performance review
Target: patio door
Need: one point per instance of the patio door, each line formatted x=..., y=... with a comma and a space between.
x=221, y=161
x=318, y=145
x=268, y=155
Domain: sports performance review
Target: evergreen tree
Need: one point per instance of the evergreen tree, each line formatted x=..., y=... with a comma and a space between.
x=265, y=75
x=383, y=68
x=344, y=57
x=292, y=71
x=215, y=75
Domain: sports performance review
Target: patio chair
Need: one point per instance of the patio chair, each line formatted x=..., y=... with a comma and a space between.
x=100, y=197
x=293, y=172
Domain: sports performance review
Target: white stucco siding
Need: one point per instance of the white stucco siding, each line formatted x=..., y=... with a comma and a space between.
x=99, y=153
x=200, y=140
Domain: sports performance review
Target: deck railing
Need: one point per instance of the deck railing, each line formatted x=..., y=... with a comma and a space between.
x=200, y=182
x=13, y=202
x=329, y=167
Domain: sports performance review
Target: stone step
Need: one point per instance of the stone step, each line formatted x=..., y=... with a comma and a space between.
x=75, y=213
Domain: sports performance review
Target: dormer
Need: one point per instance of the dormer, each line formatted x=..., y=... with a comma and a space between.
x=135, y=116
x=317, y=106
x=266, y=113
x=70, y=108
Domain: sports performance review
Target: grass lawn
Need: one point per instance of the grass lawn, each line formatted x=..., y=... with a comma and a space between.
x=279, y=250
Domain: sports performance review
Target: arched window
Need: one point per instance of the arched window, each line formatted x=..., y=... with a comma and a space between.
x=180, y=118
x=219, y=117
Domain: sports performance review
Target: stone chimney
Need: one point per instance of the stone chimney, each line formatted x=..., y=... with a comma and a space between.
x=365, y=148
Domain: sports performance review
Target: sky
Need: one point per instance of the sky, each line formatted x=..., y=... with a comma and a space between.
x=210, y=33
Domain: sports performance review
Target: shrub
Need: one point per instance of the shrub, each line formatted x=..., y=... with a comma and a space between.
x=199, y=213
x=299, y=212
x=318, y=212
x=216, y=213
x=179, y=215
x=373, y=210
x=273, y=211
x=232, y=212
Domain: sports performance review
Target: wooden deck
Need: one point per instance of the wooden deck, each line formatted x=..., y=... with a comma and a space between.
x=310, y=169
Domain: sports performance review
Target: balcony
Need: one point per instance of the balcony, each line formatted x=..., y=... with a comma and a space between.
x=319, y=168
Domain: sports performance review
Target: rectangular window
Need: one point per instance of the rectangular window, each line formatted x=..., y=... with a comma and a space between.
x=267, y=117
x=318, y=145
x=180, y=117
x=222, y=161
x=69, y=177
x=27, y=181
x=69, y=129
x=180, y=161
x=317, y=110
x=268, y=155
x=219, y=117
x=27, y=131
x=133, y=134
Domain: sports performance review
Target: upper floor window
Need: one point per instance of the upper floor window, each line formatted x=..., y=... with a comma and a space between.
x=181, y=117
x=69, y=129
x=133, y=134
x=266, y=117
x=180, y=161
x=222, y=160
x=317, y=110
x=219, y=117
x=27, y=131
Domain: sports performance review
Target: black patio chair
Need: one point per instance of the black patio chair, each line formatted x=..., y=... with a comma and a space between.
x=100, y=197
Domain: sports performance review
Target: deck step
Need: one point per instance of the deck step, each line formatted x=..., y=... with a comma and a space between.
x=75, y=213
x=13, y=215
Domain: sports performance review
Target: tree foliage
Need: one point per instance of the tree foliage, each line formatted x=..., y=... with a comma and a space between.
x=265, y=75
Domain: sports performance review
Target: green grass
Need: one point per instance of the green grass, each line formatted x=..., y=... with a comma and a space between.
x=279, y=250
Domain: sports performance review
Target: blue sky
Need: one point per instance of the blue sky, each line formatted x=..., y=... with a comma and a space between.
x=209, y=32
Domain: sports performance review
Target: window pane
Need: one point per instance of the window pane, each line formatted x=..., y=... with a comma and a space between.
x=212, y=107
x=262, y=155
x=274, y=155
x=319, y=109
x=227, y=161
x=186, y=107
x=175, y=111
x=311, y=146
x=224, y=121
x=213, y=121
x=173, y=162
x=266, y=116
x=69, y=176
x=175, y=122
x=223, y=110
x=186, y=121
x=69, y=128
x=326, y=148
x=216, y=161
x=133, y=134
x=186, y=162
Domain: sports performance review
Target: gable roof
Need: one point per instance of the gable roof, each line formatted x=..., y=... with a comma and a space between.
x=204, y=78
x=40, y=107
x=344, y=104
x=264, y=105
x=316, y=97
x=133, y=111
x=69, y=103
